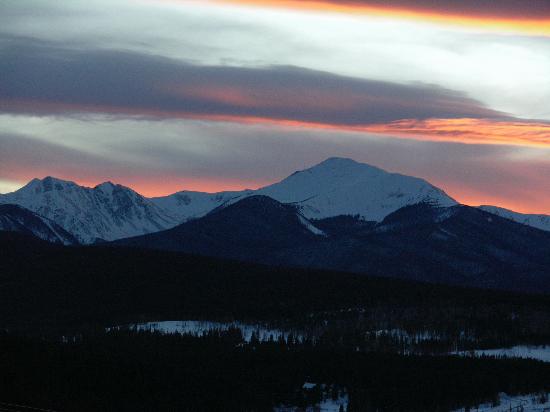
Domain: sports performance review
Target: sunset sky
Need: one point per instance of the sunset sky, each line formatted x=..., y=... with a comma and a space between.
x=166, y=95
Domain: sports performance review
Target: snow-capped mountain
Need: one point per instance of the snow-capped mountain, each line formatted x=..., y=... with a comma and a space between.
x=340, y=186
x=334, y=187
x=14, y=218
x=105, y=212
x=541, y=222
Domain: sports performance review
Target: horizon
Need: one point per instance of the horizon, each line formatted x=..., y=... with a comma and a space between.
x=89, y=185
x=170, y=95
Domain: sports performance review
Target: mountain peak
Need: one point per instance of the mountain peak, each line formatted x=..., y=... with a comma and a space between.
x=344, y=163
x=107, y=211
x=340, y=186
x=53, y=180
x=107, y=187
x=339, y=168
x=335, y=160
x=47, y=184
x=106, y=184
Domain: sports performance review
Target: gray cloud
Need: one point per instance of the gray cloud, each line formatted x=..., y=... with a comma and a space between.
x=40, y=77
x=23, y=157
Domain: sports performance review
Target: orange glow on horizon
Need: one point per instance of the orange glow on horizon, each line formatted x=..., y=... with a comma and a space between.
x=157, y=186
x=162, y=184
x=167, y=185
x=531, y=26
x=471, y=197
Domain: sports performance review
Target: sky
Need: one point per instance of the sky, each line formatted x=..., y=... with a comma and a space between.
x=211, y=95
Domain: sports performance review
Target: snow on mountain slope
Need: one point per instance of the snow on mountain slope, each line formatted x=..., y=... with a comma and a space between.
x=309, y=226
x=14, y=218
x=187, y=205
x=340, y=186
x=106, y=212
x=334, y=187
x=538, y=221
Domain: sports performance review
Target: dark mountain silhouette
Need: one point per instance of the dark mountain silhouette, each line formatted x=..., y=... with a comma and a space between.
x=256, y=228
x=15, y=218
x=456, y=245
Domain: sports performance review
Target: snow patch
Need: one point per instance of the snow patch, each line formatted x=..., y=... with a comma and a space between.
x=200, y=328
x=541, y=222
x=309, y=226
x=536, y=402
x=541, y=353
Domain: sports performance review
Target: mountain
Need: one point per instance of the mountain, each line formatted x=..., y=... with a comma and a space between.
x=14, y=218
x=454, y=245
x=463, y=245
x=541, y=222
x=105, y=212
x=256, y=228
x=334, y=187
x=340, y=186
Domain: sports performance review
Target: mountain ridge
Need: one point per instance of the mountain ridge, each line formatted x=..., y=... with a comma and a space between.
x=335, y=187
x=256, y=226
x=458, y=245
x=539, y=221
x=104, y=212
x=15, y=218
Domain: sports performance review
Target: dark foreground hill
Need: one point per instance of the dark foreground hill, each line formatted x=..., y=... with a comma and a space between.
x=43, y=286
x=50, y=290
x=14, y=218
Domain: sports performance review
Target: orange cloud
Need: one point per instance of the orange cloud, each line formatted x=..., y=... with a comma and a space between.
x=469, y=17
x=475, y=131
x=466, y=131
x=296, y=98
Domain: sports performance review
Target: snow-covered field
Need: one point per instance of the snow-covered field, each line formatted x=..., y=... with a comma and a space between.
x=521, y=351
x=522, y=403
x=199, y=328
